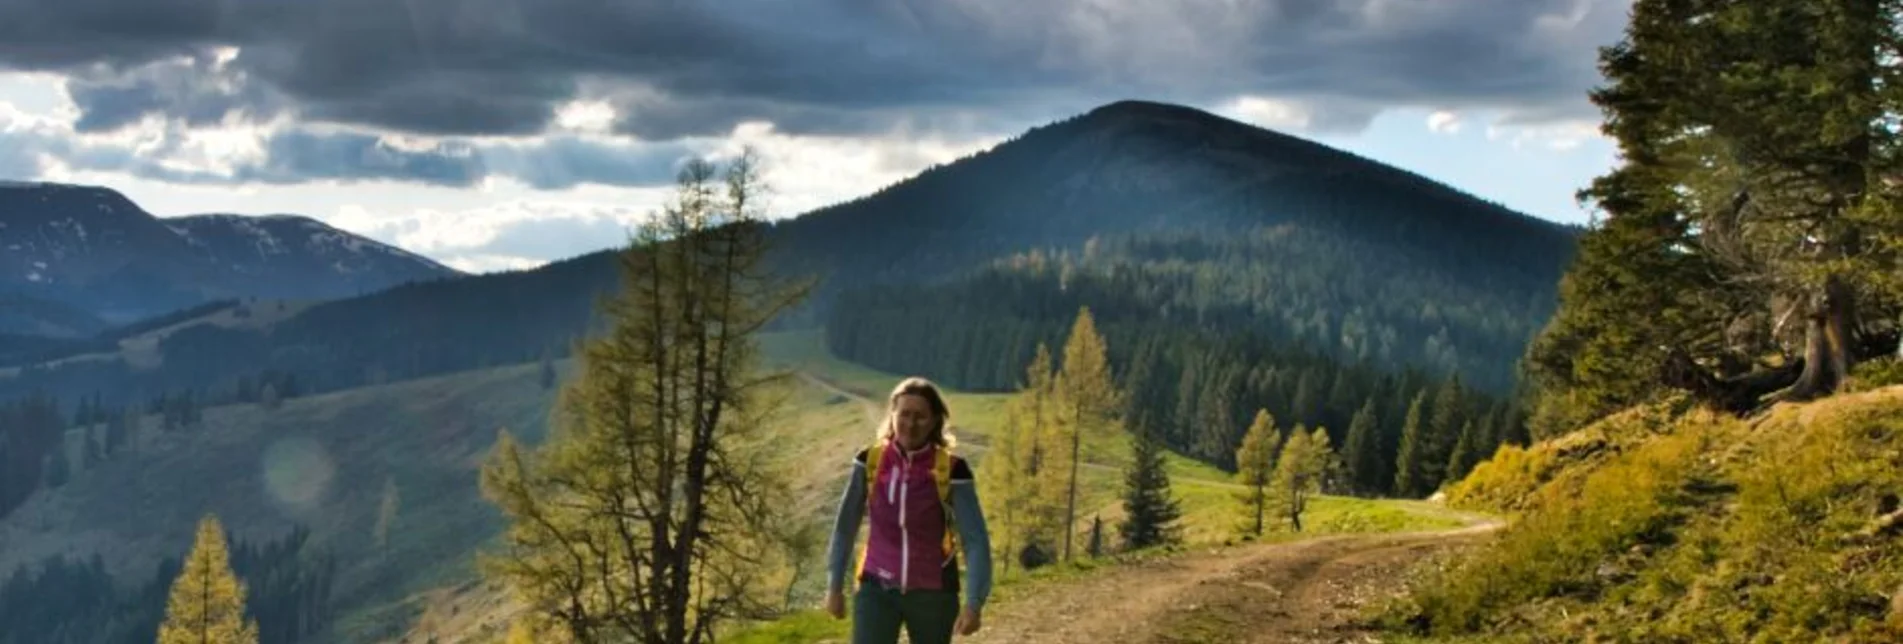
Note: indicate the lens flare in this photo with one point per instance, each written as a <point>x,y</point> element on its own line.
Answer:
<point>297,472</point>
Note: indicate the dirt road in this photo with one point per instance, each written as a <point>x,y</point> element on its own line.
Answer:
<point>1300,593</point>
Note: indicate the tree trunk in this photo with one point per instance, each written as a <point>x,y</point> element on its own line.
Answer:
<point>1260,501</point>
<point>1070,511</point>
<point>1827,355</point>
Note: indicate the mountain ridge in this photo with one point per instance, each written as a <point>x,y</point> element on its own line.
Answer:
<point>1125,168</point>
<point>93,248</point>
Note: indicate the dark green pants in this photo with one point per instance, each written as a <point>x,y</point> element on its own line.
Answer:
<point>877,613</point>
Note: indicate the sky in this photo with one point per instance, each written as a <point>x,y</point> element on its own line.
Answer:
<point>496,134</point>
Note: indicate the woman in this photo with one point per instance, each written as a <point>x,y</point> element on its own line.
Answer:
<point>909,574</point>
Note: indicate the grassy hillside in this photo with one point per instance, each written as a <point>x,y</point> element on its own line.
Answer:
<point>1206,493</point>
<point>830,413</point>
<point>322,461</point>
<point>1661,527</point>
<point>326,462</point>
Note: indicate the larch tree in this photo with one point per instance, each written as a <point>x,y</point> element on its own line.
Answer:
<point>1089,402</point>
<point>653,512</point>
<point>1305,462</point>
<point>207,600</point>
<point>1255,469</point>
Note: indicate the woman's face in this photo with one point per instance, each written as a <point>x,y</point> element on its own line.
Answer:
<point>912,421</point>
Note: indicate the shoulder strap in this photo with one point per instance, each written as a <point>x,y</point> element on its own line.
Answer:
<point>942,474</point>
<point>873,455</point>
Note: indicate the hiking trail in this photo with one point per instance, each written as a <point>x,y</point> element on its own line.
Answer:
<point>1299,592</point>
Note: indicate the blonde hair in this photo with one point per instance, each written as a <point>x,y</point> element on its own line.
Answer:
<point>916,386</point>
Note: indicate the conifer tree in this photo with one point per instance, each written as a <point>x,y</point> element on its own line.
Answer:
<point>1306,461</point>
<point>1090,402</point>
<point>1255,469</point>
<point>207,601</point>
<point>1361,452</point>
<point>1445,415</point>
<point>1747,238</point>
<point>655,463</point>
<point>1026,479</point>
<point>1151,511</point>
<point>1411,462</point>
<point>1466,453</point>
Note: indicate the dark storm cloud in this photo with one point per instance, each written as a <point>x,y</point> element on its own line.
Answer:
<point>677,68</point>
<point>562,162</point>
<point>196,90</point>
<point>296,156</point>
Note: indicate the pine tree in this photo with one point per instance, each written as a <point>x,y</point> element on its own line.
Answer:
<point>1362,452</point>
<point>655,456</point>
<point>1306,461</point>
<point>1738,253</point>
<point>1307,403</point>
<point>1443,430</point>
<point>1466,453</point>
<point>1151,511</point>
<point>207,602</point>
<point>1255,469</point>
<point>1411,462</point>
<point>1487,434</point>
<point>1090,402</point>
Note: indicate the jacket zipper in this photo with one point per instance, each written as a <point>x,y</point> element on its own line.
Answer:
<point>905,540</point>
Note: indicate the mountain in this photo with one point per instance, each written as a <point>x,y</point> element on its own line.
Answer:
<point>1135,166</point>
<point>1470,272</point>
<point>92,249</point>
<point>1231,269</point>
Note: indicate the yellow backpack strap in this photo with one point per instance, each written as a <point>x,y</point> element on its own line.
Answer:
<point>872,468</point>
<point>872,479</point>
<point>941,474</point>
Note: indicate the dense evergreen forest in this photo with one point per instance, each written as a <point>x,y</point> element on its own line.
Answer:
<point>75,601</point>
<point>1203,332</point>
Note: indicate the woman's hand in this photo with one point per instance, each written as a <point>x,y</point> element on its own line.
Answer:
<point>968,622</point>
<point>836,604</point>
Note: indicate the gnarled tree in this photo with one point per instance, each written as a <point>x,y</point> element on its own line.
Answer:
<point>1746,252</point>
<point>650,514</point>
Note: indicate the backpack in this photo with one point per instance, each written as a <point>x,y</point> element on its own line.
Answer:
<point>941,475</point>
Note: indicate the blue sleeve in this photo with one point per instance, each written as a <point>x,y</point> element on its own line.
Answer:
<point>852,509</point>
<point>977,542</point>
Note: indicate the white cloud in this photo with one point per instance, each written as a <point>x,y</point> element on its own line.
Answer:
<point>1444,122</point>
<point>1561,136</point>
<point>1269,113</point>
<point>492,263</point>
<point>592,117</point>
<point>804,173</point>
